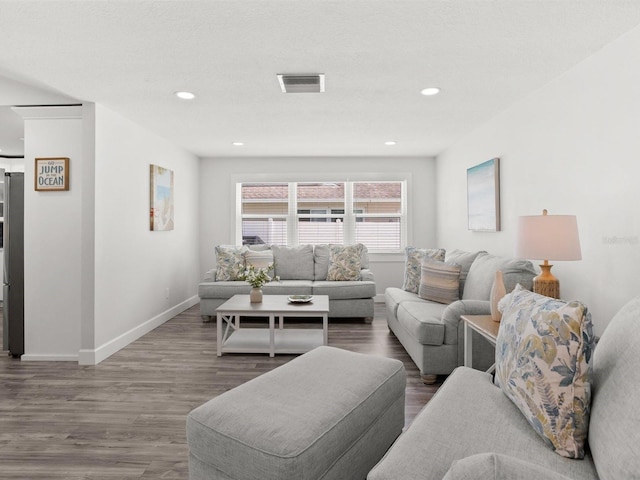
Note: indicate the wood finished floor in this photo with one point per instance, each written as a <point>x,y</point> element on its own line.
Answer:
<point>125,418</point>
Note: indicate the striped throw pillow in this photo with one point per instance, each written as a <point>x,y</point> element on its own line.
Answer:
<point>439,281</point>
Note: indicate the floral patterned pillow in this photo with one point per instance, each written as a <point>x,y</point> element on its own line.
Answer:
<point>413,264</point>
<point>344,262</point>
<point>229,262</point>
<point>543,364</point>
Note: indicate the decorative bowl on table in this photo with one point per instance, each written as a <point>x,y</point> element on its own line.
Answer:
<point>300,298</point>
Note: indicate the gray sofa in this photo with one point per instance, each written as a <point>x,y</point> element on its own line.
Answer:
<point>432,333</point>
<point>303,271</point>
<point>471,430</point>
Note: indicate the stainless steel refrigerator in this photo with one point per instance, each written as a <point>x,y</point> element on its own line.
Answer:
<point>13,289</point>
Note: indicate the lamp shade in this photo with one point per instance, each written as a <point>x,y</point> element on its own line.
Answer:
<point>548,237</point>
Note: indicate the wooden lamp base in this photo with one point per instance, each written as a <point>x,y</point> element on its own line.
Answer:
<point>545,283</point>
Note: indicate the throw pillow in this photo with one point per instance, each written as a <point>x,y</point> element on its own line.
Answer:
<point>259,259</point>
<point>439,281</point>
<point>543,365</point>
<point>413,263</point>
<point>464,259</point>
<point>229,262</point>
<point>344,262</point>
<point>293,263</point>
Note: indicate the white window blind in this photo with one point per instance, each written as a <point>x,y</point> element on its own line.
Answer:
<point>295,213</point>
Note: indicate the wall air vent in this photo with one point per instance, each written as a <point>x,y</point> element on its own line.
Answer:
<point>301,83</point>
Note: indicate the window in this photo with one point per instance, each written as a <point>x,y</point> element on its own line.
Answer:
<point>296,213</point>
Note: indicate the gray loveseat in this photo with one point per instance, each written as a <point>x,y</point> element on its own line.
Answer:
<point>432,333</point>
<point>470,430</point>
<point>302,271</point>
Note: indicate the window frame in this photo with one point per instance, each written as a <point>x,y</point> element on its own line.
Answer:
<point>349,219</point>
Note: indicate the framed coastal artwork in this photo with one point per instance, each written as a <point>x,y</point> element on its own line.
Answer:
<point>161,198</point>
<point>483,196</point>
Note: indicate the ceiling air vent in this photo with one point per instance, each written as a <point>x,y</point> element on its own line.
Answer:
<point>297,83</point>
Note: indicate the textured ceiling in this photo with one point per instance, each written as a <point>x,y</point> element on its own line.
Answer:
<point>130,56</point>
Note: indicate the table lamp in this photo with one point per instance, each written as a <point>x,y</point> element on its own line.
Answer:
<point>548,237</point>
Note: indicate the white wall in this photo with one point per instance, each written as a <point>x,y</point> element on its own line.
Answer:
<point>96,278</point>
<point>135,267</point>
<point>52,270</point>
<point>218,176</point>
<point>571,147</point>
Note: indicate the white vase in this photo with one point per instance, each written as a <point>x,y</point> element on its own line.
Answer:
<point>498,291</point>
<point>255,296</point>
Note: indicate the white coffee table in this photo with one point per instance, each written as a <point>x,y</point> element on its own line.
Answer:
<point>270,340</point>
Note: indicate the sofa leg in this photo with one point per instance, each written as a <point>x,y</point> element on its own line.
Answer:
<point>429,378</point>
<point>207,318</point>
<point>368,320</point>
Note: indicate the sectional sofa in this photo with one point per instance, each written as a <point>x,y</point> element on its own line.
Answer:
<point>303,271</point>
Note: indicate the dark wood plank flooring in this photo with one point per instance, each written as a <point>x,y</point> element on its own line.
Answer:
<point>125,418</point>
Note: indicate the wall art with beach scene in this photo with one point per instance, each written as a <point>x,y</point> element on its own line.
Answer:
<point>483,196</point>
<point>161,198</point>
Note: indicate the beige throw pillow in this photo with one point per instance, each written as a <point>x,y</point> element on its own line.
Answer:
<point>439,281</point>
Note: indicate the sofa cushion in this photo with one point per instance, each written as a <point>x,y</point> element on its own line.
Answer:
<point>258,258</point>
<point>338,290</point>
<point>289,287</point>
<point>320,261</point>
<point>483,270</point>
<point>464,259</point>
<point>615,418</point>
<point>229,262</point>
<point>543,356</point>
<point>394,296</point>
<point>422,320</point>
<point>344,262</point>
<point>413,263</point>
<point>293,263</point>
<point>499,467</point>
<point>228,289</point>
<point>439,281</point>
<point>469,415</point>
<point>223,289</point>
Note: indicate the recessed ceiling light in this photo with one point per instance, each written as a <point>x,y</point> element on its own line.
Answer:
<point>430,91</point>
<point>238,144</point>
<point>390,142</point>
<point>185,95</point>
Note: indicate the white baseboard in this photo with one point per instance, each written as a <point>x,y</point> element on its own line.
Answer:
<point>35,357</point>
<point>93,357</point>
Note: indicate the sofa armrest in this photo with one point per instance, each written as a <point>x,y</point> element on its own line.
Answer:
<point>210,276</point>
<point>366,275</point>
<point>499,467</point>
<point>454,311</point>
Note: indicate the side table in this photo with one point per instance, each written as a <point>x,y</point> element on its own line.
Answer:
<point>485,326</point>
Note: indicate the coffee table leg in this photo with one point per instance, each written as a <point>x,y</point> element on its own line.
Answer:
<point>272,333</point>
<point>325,329</point>
<point>219,330</point>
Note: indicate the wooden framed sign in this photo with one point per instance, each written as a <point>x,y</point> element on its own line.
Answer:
<point>52,174</point>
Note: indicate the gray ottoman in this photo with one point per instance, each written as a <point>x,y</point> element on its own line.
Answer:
<point>328,414</point>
